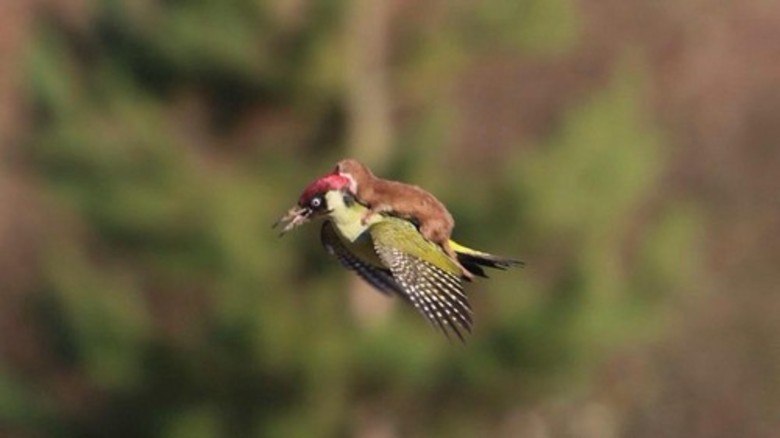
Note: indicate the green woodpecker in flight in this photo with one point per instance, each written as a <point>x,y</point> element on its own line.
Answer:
<point>390,253</point>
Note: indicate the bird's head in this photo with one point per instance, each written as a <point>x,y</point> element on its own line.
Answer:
<point>312,202</point>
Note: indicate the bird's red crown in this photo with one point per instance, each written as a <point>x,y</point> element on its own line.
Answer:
<point>331,181</point>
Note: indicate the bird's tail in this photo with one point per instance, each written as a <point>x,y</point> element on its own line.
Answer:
<point>474,260</point>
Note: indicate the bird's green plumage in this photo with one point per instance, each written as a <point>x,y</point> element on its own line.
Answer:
<point>392,255</point>
<point>385,231</point>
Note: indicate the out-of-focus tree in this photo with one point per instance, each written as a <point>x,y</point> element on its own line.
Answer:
<point>163,138</point>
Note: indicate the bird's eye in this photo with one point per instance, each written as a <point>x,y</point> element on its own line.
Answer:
<point>315,203</point>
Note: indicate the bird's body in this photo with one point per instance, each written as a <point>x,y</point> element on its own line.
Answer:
<point>392,231</point>
<point>403,200</point>
<point>392,255</point>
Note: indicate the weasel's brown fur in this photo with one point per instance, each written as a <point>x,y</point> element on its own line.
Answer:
<point>405,200</point>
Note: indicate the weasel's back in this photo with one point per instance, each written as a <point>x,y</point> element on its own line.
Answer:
<point>407,200</point>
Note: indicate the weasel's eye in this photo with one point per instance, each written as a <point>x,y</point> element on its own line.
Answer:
<point>316,202</point>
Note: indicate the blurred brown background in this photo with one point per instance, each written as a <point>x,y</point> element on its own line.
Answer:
<point>626,150</point>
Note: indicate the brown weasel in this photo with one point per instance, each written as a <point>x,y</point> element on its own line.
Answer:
<point>405,200</point>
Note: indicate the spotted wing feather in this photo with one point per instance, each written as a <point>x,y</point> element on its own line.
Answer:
<point>380,279</point>
<point>435,293</point>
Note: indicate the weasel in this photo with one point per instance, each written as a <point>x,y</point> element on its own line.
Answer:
<point>406,200</point>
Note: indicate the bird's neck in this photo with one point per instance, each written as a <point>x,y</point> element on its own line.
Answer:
<point>348,219</point>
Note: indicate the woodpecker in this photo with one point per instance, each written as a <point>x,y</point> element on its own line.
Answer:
<point>392,255</point>
<point>403,200</point>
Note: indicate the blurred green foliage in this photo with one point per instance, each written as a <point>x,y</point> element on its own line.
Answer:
<point>167,294</point>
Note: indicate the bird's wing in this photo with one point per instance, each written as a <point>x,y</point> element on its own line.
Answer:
<point>402,234</point>
<point>435,292</point>
<point>381,279</point>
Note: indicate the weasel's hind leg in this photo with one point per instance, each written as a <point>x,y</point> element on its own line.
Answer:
<point>439,233</point>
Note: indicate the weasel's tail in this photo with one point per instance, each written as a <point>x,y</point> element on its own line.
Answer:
<point>474,260</point>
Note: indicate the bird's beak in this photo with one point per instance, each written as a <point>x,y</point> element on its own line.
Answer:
<point>294,218</point>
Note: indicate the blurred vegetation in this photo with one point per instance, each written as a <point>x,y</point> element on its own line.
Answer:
<point>166,136</point>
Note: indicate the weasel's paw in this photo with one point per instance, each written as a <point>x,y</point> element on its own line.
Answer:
<point>366,216</point>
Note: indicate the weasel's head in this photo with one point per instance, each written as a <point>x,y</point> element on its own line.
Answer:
<point>352,169</point>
